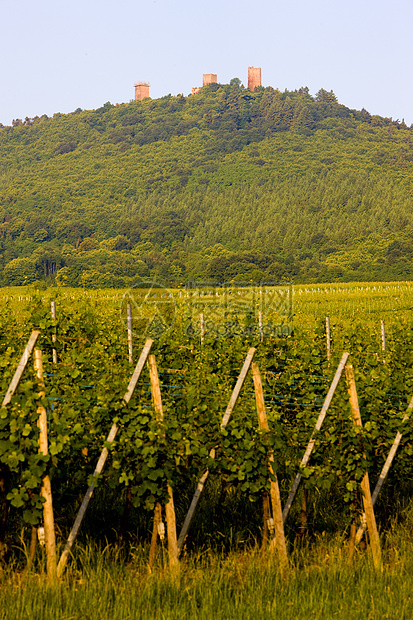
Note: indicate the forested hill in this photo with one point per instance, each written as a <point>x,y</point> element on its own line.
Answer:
<point>225,184</point>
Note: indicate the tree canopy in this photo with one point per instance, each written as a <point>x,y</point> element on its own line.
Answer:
<point>224,184</point>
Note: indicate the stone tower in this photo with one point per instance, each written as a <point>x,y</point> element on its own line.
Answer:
<point>254,78</point>
<point>209,78</point>
<point>141,90</point>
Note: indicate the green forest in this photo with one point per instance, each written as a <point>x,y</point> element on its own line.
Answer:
<point>223,185</point>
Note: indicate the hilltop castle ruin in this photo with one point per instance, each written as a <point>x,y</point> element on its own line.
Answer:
<point>141,90</point>
<point>254,78</point>
<point>254,81</point>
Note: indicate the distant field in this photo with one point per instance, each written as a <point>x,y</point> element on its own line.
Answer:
<point>347,305</point>
<point>344,303</point>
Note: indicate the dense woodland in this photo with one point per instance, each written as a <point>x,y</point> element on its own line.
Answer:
<point>222,185</point>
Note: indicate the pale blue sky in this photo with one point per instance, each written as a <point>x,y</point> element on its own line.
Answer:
<point>58,55</point>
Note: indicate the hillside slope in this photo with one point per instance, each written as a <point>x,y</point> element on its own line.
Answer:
<point>220,185</point>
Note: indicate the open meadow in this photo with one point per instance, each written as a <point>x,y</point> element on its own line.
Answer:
<point>148,395</point>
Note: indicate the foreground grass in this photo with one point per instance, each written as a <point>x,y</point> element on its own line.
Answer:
<point>320,584</point>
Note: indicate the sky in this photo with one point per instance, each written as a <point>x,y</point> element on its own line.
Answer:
<point>60,55</point>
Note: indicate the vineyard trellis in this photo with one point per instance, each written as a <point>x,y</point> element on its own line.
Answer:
<point>167,443</point>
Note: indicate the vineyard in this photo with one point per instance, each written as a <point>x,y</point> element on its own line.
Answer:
<point>181,412</point>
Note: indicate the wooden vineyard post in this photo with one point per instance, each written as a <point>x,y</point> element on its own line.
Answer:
<point>46,491</point>
<point>202,327</point>
<point>351,545</point>
<point>225,420</point>
<point>20,368</point>
<point>383,336</point>
<point>384,471</point>
<point>328,338</point>
<point>267,516</point>
<point>365,485</point>
<point>260,326</point>
<point>169,507</point>
<point>311,443</point>
<point>279,540</point>
<point>383,339</point>
<point>53,313</point>
<point>157,519</point>
<point>32,548</point>
<point>101,462</point>
<point>9,395</point>
<point>130,333</point>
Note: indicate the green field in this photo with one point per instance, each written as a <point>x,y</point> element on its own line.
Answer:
<point>340,301</point>
<point>225,570</point>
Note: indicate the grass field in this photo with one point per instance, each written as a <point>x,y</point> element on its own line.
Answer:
<point>112,584</point>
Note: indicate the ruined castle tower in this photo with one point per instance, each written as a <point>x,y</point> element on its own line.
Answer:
<point>141,90</point>
<point>254,78</point>
<point>209,78</point>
